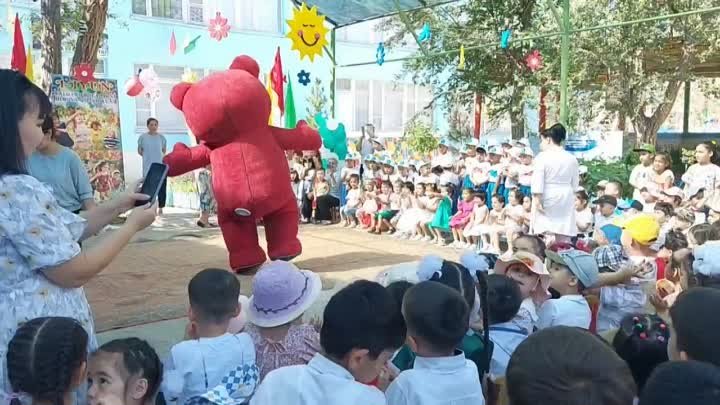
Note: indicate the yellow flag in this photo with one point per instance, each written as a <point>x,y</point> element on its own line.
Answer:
<point>29,70</point>
<point>274,109</point>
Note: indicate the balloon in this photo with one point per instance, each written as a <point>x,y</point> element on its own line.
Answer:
<point>335,139</point>
<point>149,78</point>
<point>133,86</point>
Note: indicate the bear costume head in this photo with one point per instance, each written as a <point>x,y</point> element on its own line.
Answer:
<point>224,104</point>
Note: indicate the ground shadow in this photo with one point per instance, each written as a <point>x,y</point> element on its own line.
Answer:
<point>352,261</point>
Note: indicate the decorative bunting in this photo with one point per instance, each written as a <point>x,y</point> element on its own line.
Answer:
<point>190,45</point>
<point>173,44</point>
<point>307,32</point>
<point>304,77</point>
<point>219,27</point>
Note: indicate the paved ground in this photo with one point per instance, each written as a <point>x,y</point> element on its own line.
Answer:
<point>144,291</point>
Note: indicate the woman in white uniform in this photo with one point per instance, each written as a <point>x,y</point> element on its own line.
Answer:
<point>554,182</point>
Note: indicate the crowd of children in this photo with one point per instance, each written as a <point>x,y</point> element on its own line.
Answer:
<point>624,313</point>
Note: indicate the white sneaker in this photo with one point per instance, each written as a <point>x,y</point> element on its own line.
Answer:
<point>427,239</point>
<point>417,237</point>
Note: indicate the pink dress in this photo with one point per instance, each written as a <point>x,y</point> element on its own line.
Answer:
<point>299,346</point>
<point>462,217</point>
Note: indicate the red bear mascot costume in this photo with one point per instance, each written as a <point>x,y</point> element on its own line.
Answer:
<point>228,114</point>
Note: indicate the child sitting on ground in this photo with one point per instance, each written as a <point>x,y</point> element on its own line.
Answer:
<point>476,225</point>
<point>461,219</point>
<point>514,217</point>
<point>31,353</point>
<point>209,354</point>
<point>369,206</point>
<point>605,208</point>
<point>124,371</point>
<point>281,294</point>
<point>428,205</point>
<point>572,271</point>
<point>583,213</point>
<point>437,320</point>
<point>495,225</point>
<point>348,212</point>
<point>441,219</point>
<point>564,365</point>
<point>642,341</point>
<point>533,280</point>
<point>361,329</point>
<point>385,212</point>
<point>408,208</point>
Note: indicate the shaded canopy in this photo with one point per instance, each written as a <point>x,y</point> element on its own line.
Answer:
<point>342,13</point>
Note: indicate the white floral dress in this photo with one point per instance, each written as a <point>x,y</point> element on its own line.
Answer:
<point>35,234</point>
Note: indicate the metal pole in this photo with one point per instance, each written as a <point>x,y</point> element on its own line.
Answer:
<point>564,62</point>
<point>333,69</point>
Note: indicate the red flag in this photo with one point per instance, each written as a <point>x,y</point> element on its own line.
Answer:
<point>173,44</point>
<point>19,58</point>
<point>277,80</point>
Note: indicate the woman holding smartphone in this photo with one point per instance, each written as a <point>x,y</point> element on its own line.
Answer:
<point>43,267</point>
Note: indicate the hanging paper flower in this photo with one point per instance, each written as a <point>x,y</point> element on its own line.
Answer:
<point>426,34</point>
<point>505,38</point>
<point>133,86</point>
<point>84,72</point>
<point>534,61</point>
<point>304,77</point>
<point>219,27</point>
<point>189,77</point>
<point>380,54</point>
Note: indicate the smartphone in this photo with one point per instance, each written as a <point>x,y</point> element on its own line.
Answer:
<point>153,181</point>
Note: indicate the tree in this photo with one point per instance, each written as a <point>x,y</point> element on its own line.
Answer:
<point>78,25</point>
<point>500,76</point>
<point>317,102</point>
<point>640,68</point>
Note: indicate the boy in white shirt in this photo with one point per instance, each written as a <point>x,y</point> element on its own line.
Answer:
<point>605,211</point>
<point>437,319</point>
<point>642,174</point>
<point>572,272</point>
<point>362,327</point>
<point>210,355</point>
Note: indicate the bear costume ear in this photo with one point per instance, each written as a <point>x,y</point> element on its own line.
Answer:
<point>177,96</point>
<point>247,64</point>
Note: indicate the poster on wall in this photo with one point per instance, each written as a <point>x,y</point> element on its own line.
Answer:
<point>589,145</point>
<point>89,114</point>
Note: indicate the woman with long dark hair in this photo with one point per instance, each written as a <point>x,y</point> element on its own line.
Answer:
<point>42,267</point>
<point>554,181</point>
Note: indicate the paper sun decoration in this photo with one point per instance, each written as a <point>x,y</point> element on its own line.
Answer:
<point>534,61</point>
<point>380,54</point>
<point>219,27</point>
<point>84,72</point>
<point>425,35</point>
<point>304,77</point>
<point>307,32</point>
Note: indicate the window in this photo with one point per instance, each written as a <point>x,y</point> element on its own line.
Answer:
<point>387,105</point>
<point>171,119</point>
<point>250,15</point>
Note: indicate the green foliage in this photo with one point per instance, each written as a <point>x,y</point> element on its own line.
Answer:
<point>183,184</point>
<point>317,102</point>
<point>419,137</point>
<point>611,171</point>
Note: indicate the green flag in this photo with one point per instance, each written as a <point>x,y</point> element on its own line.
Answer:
<point>190,45</point>
<point>290,117</point>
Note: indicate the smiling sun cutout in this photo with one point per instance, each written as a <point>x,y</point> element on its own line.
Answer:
<point>307,32</point>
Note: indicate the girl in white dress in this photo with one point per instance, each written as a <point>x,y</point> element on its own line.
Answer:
<point>554,181</point>
<point>478,219</point>
<point>495,225</point>
<point>705,173</point>
<point>407,224</point>
<point>662,177</point>
<point>514,215</point>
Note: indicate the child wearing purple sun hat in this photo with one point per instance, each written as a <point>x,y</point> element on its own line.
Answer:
<point>281,294</point>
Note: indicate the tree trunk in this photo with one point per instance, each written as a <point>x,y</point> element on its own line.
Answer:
<point>517,123</point>
<point>51,40</point>
<point>88,42</point>
<point>648,127</point>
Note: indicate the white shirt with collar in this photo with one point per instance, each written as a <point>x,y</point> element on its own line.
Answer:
<point>320,382</point>
<point>506,337</point>
<point>437,381</point>
<point>568,310</point>
<point>443,160</point>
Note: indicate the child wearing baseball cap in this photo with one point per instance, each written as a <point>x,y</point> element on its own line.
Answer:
<point>571,271</point>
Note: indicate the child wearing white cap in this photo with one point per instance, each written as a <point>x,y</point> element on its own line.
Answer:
<point>525,171</point>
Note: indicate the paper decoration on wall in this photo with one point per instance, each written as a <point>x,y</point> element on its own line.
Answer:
<point>380,54</point>
<point>189,76</point>
<point>534,61</point>
<point>151,84</point>
<point>461,64</point>
<point>303,77</point>
<point>333,135</point>
<point>219,27</point>
<point>189,45</point>
<point>426,34</point>
<point>133,86</point>
<point>173,44</point>
<point>84,72</point>
<point>307,32</point>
